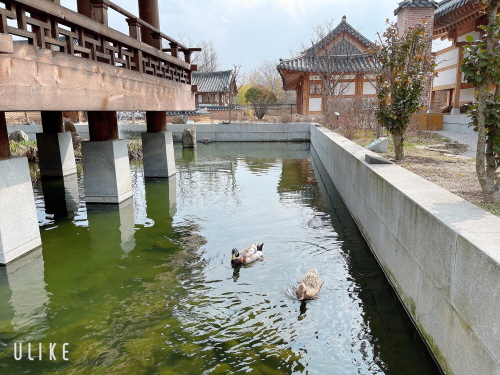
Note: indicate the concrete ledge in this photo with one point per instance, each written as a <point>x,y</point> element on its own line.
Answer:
<point>439,251</point>
<point>457,123</point>
<point>252,132</point>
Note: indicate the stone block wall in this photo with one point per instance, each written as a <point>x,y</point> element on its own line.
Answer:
<point>439,251</point>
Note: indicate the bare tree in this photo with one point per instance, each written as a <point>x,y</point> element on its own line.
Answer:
<point>207,59</point>
<point>234,86</point>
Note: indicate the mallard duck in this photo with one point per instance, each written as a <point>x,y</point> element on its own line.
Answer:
<point>309,285</point>
<point>249,255</point>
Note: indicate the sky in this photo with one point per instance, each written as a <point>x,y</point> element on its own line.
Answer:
<point>249,32</point>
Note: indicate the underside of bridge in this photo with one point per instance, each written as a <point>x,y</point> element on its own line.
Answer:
<point>54,60</point>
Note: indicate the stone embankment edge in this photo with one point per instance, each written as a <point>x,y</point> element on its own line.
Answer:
<point>440,252</point>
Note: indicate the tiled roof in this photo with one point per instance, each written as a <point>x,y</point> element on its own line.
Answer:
<point>353,63</point>
<point>446,6</point>
<point>342,26</point>
<point>416,4</point>
<point>213,81</point>
<point>344,56</point>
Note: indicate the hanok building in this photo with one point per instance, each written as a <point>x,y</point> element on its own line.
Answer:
<point>215,89</point>
<point>345,48</point>
<point>453,21</point>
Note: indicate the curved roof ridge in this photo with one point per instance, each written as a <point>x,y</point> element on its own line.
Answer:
<point>342,26</point>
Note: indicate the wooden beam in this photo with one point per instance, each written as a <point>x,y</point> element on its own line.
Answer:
<point>103,125</point>
<point>52,122</point>
<point>156,121</point>
<point>4,137</point>
<point>28,84</point>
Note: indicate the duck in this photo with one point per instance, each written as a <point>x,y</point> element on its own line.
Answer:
<point>309,285</point>
<point>247,256</point>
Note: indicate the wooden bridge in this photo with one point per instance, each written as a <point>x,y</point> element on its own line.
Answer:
<point>53,60</point>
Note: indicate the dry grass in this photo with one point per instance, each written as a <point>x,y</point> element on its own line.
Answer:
<point>455,174</point>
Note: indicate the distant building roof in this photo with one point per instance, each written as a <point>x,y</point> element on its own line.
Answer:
<point>344,55</point>
<point>213,81</point>
<point>343,26</point>
<point>416,4</point>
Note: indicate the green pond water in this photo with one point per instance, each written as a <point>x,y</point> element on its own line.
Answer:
<point>147,287</point>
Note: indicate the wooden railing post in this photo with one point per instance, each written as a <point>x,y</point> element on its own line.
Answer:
<point>174,49</point>
<point>100,11</point>
<point>134,28</point>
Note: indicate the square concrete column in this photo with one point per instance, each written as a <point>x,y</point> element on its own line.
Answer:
<point>19,232</point>
<point>106,171</point>
<point>158,154</point>
<point>55,154</point>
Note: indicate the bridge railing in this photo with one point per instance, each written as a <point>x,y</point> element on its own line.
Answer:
<point>49,25</point>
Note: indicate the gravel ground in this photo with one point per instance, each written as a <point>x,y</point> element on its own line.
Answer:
<point>464,138</point>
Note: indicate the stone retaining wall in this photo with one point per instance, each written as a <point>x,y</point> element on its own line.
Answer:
<point>440,252</point>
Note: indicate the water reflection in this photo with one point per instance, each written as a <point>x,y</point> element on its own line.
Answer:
<point>23,297</point>
<point>61,196</point>
<point>111,228</point>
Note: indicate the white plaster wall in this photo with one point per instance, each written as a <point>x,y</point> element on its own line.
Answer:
<point>368,89</point>
<point>347,88</point>
<point>315,104</point>
<point>475,35</point>
<point>447,58</point>
<point>467,95</point>
<point>439,251</point>
<point>445,78</point>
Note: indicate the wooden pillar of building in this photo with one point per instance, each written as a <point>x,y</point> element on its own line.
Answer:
<point>103,125</point>
<point>458,83</point>
<point>52,122</point>
<point>156,121</point>
<point>4,137</point>
<point>85,8</point>
<point>150,13</point>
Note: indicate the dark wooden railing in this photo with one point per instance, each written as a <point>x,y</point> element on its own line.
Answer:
<point>48,25</point>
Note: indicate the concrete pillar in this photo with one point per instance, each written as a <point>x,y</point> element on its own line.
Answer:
<point>19,233</point>
<point>55,147</point>
<point>150,13</point>
<point>157,147</point>
<point>105,161</point>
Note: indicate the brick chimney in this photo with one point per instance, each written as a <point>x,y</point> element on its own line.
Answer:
<point>415,12</point>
